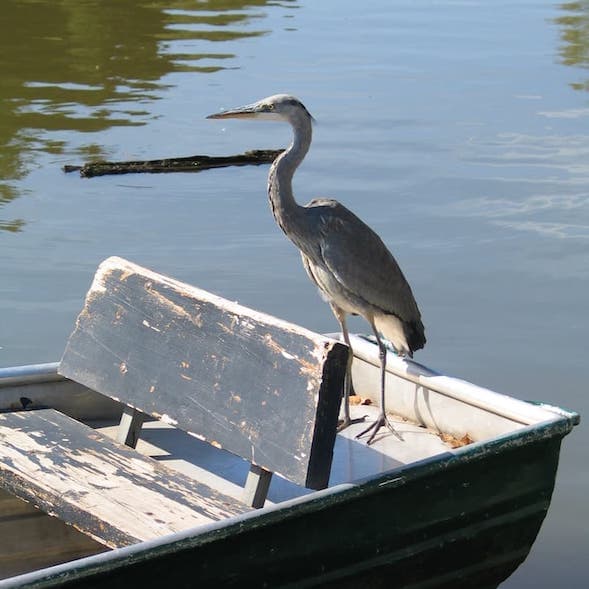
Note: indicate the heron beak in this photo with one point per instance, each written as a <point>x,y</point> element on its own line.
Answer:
<point>249,111</point>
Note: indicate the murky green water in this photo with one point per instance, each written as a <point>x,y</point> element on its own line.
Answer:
<point>458,130</point>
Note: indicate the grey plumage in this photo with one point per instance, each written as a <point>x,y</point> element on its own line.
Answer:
<point>346,259</point>
<point>366,273</point>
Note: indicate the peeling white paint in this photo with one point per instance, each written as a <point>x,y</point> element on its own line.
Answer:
<point>122,490</point>
<point>98,284</point>
<point>167,419</point>
<point>22,440</point>
<point>247,324</point>
<point>147,324</point>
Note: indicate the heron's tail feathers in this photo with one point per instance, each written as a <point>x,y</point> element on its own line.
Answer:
<point>415,334</point>
<point>405,337</point>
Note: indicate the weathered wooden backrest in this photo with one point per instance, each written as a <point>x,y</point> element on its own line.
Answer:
<point>257,386</point>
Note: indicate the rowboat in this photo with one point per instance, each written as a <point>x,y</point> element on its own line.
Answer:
<point>457,502</point>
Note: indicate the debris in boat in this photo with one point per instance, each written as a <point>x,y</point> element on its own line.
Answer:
<point>455,442</point>
<point>193,163</point>
<point>358,400</point>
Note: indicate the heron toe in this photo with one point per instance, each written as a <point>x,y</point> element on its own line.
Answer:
<point>344,423</point>
<point>381,421</point>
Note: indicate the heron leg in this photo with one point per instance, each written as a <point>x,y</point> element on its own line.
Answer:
<point>348,390</point>
<point>382,420</point>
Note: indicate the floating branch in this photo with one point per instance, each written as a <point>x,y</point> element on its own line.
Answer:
<point>194,163</point>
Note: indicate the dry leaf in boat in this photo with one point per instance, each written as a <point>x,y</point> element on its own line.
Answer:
<point>454,442</point>
<point>358,400</point>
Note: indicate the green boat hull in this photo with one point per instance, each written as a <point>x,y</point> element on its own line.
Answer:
<point>467,519</point>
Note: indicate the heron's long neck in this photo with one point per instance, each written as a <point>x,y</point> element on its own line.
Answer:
<point>286,211</point>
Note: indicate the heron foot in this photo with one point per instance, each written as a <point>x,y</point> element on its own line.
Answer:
<point>346,421</point>
<point>381,421</point>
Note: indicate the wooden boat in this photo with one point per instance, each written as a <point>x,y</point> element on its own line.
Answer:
<point>458,502</point>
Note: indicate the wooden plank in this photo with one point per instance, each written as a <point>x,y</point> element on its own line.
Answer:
<point>257,386</point>
<point>256,486</point>
<point>106,490</point>
<point>130,427</point>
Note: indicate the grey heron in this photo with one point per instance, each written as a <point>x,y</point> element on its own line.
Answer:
<point>346,259</point>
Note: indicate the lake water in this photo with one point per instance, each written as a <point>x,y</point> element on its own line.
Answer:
<point>458,130</point>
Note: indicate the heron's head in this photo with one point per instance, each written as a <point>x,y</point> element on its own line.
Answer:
<point>280,107</point>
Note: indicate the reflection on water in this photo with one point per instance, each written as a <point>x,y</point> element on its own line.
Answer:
<point>523,182</point>
<point>88,66</point>
<point>541,174</point>
<point>574,25</point>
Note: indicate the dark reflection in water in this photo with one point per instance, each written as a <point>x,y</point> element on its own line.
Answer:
<point>88,66</point>
<point>574,25</point>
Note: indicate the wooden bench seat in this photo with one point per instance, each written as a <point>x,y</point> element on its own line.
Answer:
<point>261,388</point>
<point>115,494</point>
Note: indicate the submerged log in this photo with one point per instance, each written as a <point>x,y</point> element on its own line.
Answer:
<point>193,163</point>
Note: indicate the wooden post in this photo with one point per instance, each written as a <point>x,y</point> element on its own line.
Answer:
<point>130,427</point>
<point>256,486</point>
